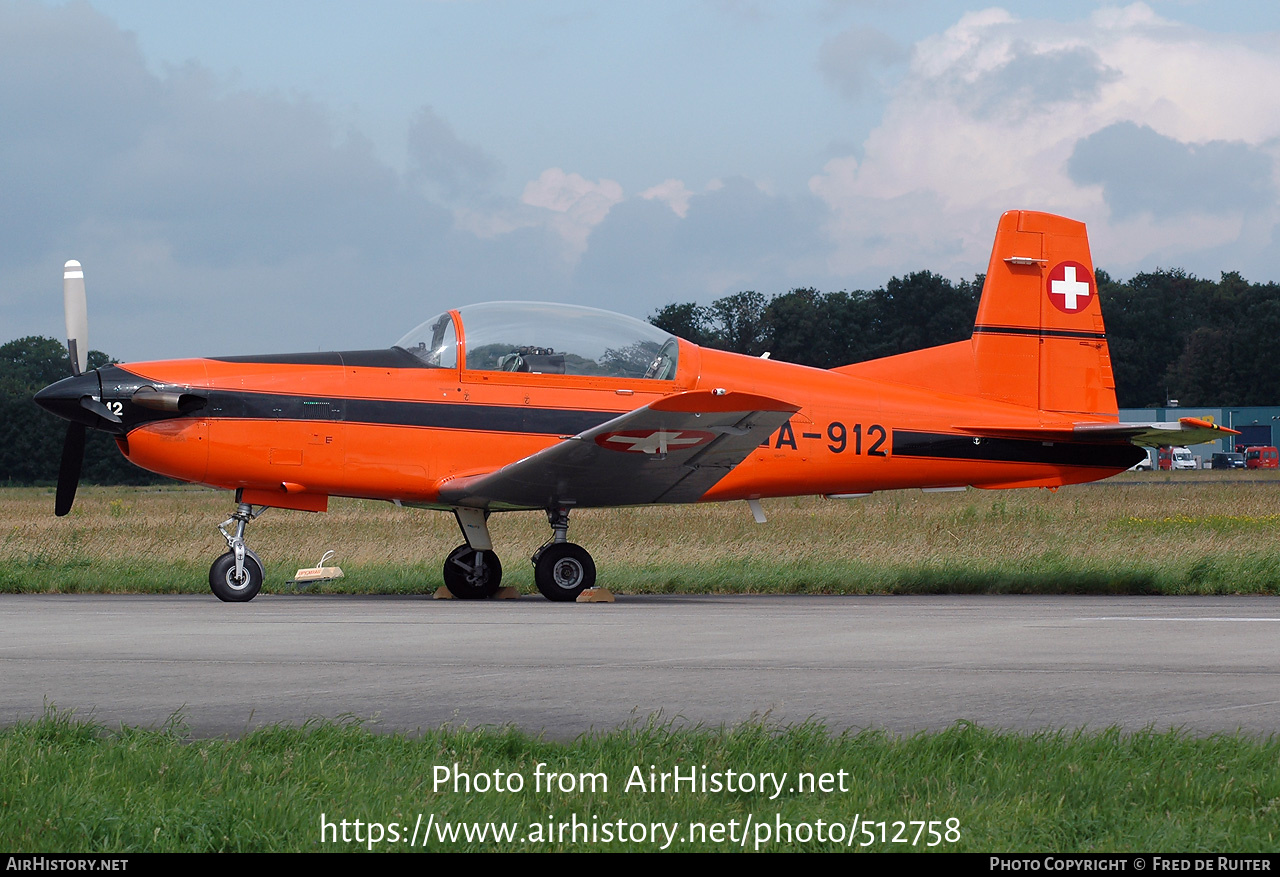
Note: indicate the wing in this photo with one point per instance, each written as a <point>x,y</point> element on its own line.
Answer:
<point>672,450</point>
<point>1186,431</point>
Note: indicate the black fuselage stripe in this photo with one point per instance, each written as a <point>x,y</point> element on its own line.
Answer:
<point>1039,332</point>
<point>385,357</point>
<point>119,385</point>
<point>383,412</point>
<point>946,446</point>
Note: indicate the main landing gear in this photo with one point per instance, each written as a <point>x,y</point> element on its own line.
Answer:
<point>472,575</point>
<point>561,569</point>
<point>236,577</point>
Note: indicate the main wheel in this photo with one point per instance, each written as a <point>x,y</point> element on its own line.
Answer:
<point>466,579</point>
<point>229,589</point>
<point>563,570</point>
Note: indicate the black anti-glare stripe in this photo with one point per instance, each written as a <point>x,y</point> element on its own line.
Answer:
<point>387,357</point>
<point>1045,333</point>
<point>440,415</point>
<point>1003,450</point>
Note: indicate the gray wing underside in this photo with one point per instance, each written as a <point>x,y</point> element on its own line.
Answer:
<point>1184,431</point>
<point>643,457</point>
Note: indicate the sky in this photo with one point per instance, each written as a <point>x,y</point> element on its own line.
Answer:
<point>278,176</point>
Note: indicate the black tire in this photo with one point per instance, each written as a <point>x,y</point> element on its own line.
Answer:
<point>222,578</point>
<point>563,570</point>
<point>460,576</point>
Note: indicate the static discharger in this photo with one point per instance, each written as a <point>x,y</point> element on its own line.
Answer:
<point>317,573</point>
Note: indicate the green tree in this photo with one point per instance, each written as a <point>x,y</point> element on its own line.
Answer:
<point>740,322</point>
<point>1247,357</point>
<point>31,438</point>
<point>795,330</point>
<point>1148,320</point>
<point>921,310</point>
<point>688,321</point>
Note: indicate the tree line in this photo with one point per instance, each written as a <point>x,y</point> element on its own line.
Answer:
<point>31,438</point>
<point>1171,335</point>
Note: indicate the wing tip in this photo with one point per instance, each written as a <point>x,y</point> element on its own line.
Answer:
<point>1198,423</point>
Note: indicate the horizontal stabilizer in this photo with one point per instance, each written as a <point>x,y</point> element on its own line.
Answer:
<point>1186,431</point>
<point>673,450</point>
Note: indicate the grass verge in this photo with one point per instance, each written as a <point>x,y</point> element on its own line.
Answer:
<point>68,785</point>
<point>1130,535</point>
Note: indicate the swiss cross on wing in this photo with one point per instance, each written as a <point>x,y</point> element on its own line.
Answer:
<point>653,441</point>
<point>1071,287</point>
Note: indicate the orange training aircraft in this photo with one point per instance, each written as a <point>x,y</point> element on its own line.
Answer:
<point>518,406</point>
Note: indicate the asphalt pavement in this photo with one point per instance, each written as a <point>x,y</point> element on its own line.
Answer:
<point>1202,664</point>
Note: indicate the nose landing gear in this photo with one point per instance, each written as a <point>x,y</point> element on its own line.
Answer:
<point>236,577</point>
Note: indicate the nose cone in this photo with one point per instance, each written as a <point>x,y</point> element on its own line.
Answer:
<point>63,398</point>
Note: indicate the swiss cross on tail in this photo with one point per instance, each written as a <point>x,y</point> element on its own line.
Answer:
<point>1070,287</point>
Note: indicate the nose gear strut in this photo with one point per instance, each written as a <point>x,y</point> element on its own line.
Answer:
<point>236,577</point>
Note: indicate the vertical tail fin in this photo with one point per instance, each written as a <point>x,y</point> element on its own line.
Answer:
<point>1039,338</point>
<point>1038,341</point>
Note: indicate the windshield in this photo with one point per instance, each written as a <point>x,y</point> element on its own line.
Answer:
<point>434,342</point>
<point>545,338</point>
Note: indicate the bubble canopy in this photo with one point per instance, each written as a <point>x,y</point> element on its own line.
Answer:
<point>546,338</point>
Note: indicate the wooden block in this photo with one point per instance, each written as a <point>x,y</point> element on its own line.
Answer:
<point>596,595</point>
<point>507,594</point>
<point>318,574</point>
<point>443,593</point>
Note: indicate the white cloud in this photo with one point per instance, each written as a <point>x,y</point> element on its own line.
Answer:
<point>991,111</point>
<point>672,193</point>
<point>578,204</point>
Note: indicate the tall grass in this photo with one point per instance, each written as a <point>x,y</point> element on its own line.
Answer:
<point>1143,534</point>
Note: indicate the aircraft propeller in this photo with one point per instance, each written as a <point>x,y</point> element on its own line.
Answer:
<point>69,471</point>
<point>76,312</point>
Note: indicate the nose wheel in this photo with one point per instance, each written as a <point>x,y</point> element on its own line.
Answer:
<point>236,577</point>
<point>231,586</point>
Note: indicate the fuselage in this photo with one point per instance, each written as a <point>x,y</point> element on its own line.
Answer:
<point>293,430</point>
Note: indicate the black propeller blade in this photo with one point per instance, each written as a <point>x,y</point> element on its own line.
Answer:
<point>69,471</point>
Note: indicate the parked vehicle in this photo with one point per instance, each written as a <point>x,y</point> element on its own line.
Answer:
<point>1146,465</point>
<point>1229,460</point>
<point>1176,458</point>
<point>1265,457</point>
